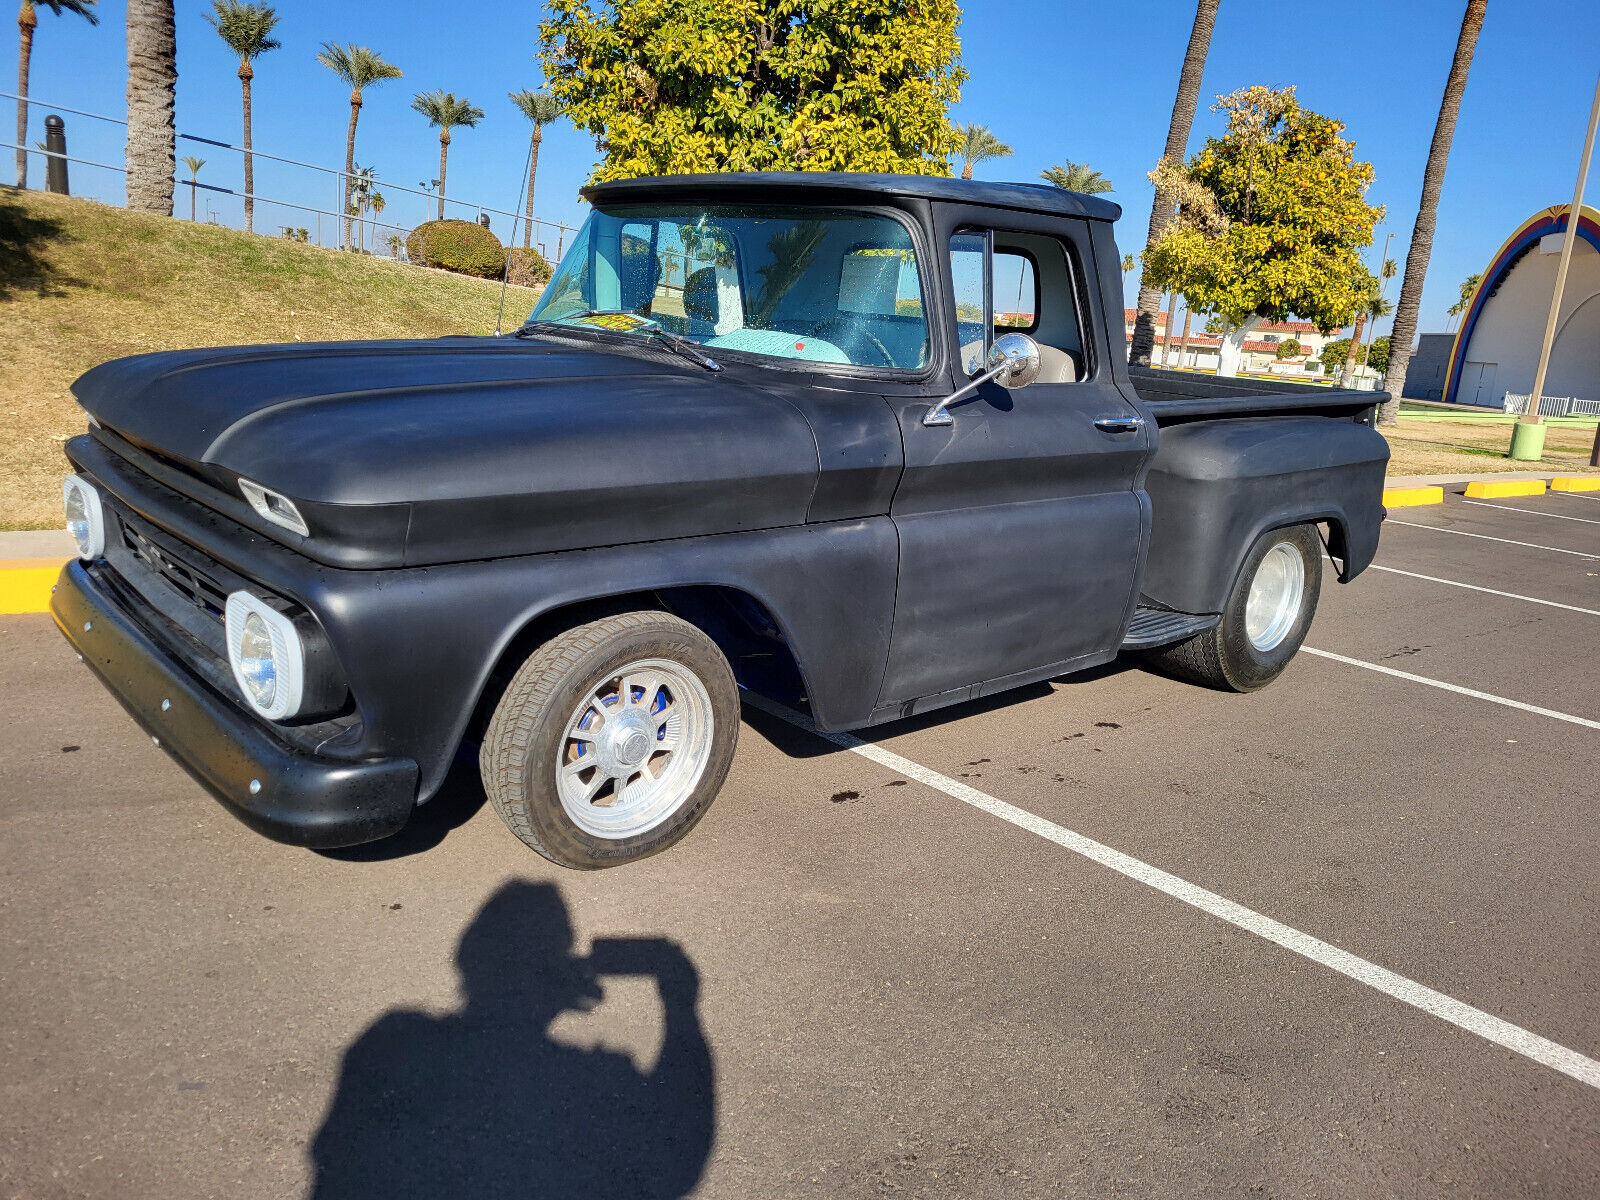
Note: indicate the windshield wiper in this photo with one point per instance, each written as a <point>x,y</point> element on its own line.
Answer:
<point>647,327</point>
<point>685,347</point>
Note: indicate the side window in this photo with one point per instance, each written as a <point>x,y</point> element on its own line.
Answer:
<point>881,283</point>
<point>1016,291</point>
<point>967,278</point>
<point>1054,320</point>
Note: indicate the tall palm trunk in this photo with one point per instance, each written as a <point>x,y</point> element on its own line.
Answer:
<point>533,170</point>
<point>1444,131</point>
<point>1194,63</point>
<point>966,171</point>
<point>1183,346</point>
<point>152,151</point>
<point>350,161</point>
<point>444,155</point>
<point>26,23</point>
<point>1347,375</point>
<point>246,74</point>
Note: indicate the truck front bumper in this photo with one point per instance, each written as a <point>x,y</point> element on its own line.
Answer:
<point>275,789</point>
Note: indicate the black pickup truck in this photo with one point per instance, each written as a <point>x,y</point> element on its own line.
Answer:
<point>863,443</point>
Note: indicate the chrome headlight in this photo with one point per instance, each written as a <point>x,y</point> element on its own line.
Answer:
<point>267,657</point>
<point>86,520</point>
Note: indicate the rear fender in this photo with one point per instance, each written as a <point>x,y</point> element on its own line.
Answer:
<point>1217,486</point>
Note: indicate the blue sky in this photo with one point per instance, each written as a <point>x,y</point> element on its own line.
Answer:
<point>1057,79</point>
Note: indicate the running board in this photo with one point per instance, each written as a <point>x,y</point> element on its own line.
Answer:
<point>1159,627</point>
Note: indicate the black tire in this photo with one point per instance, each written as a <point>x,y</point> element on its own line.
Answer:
<point>1224,657</point>
<point>524,740</point>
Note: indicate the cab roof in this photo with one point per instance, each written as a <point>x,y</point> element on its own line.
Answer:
<point>1026,197</point>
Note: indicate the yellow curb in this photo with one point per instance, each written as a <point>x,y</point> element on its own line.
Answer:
<point>25,584</point>
<point>1411,497</point>
<point>1480,489</point>
<point>1575,483</point>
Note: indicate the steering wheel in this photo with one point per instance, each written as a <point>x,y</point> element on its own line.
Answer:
<point>852,331</point>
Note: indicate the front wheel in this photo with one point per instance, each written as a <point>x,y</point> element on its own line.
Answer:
<point>1265,620</point>
<point>612,739</point>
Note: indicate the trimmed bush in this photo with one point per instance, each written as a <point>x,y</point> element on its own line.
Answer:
<point>462,246</point>
<point>529,268</point>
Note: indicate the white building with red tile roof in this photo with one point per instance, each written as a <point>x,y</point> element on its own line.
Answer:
<point>1259,353</point>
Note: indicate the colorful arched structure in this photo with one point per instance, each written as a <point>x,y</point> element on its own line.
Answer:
<point>1542,224</point>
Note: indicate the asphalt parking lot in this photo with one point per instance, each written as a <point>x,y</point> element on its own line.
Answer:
<point>1342,940</point>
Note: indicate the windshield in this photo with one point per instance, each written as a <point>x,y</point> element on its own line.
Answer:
<point>819,285</point>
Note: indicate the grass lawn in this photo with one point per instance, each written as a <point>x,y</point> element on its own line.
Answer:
<point>1423,447</point>
<point>81,283</point>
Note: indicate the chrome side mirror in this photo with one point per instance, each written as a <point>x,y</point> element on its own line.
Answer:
<point>1013,363</point>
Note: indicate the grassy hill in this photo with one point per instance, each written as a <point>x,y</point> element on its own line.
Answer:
<point>81,283</point>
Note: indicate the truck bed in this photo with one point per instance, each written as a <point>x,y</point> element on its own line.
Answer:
<point>1176,397</point>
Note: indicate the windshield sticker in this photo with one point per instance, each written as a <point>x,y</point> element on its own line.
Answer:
<point>619,321</point>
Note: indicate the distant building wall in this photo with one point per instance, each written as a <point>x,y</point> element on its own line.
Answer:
<point>1497,349</point>
<point>1425,375</point>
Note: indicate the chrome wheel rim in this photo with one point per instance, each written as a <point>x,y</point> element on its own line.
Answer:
<point>1275,596</point>
<point>634,750</point>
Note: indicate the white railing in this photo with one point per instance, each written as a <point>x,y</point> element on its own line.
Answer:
<point>1552,406</point>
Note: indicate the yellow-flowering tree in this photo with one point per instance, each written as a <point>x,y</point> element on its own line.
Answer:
<point>675,86</point>
<point>1271,219</point>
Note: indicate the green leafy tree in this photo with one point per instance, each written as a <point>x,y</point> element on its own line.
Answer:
<point>358,68</point>
<point>674,86</point>
<point>27,22</point>
<point>1335,353</point>
<point>1287,349</point>
<point>1469,288</point>
<point>977,144</point>
<point>444,113</point>
<point>1271,219</point>
<point>540,108</point>
<point>1077,177</point>
<point>247,29</point>
<point>194,164</point>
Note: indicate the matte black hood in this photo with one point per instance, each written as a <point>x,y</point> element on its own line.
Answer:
<point>495,446</point>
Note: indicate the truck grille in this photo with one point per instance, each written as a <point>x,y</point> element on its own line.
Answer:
<point>187,578</point>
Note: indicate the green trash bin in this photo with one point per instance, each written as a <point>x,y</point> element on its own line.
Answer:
<point>1527,439</point>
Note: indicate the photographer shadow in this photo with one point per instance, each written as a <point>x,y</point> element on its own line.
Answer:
<point>481,1102</point>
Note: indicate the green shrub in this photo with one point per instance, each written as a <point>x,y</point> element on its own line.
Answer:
<point>461,246</point>
<point>528,268</point>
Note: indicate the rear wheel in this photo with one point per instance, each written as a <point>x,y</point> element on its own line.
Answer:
<point>1264,622</point>
<point>612,739</point>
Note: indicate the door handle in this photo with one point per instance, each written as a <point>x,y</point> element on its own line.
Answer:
<point>1119,424</point>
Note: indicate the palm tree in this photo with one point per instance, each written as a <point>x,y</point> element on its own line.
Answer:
<point>1444,132</point>
<point>1469,288</point>
<point>1077,177</point>
<point>978,144</point>
<point>360,68</point>
<point>1194,64</point>
<point>445,112</point>
<point>27,22</point>
<point>360,193</point>
<point>375,205</point>
<point>541,108</point>
<point>1373,307</point>
<point>247,29</point>
<point>194,164</point>
<point>152,151</point>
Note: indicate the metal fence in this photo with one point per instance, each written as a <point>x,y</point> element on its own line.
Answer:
<point>368,231</point>
<point>1552,406</point>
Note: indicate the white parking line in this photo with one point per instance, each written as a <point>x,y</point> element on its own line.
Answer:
<point>1472,587</point>
<point>1447,1008</point>
<point>1577,495</point>
<point>1485,537</point>
<point>1456,688</point>
<point>1533,512</point>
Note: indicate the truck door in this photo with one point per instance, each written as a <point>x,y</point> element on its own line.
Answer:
<point>1020,527</point>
